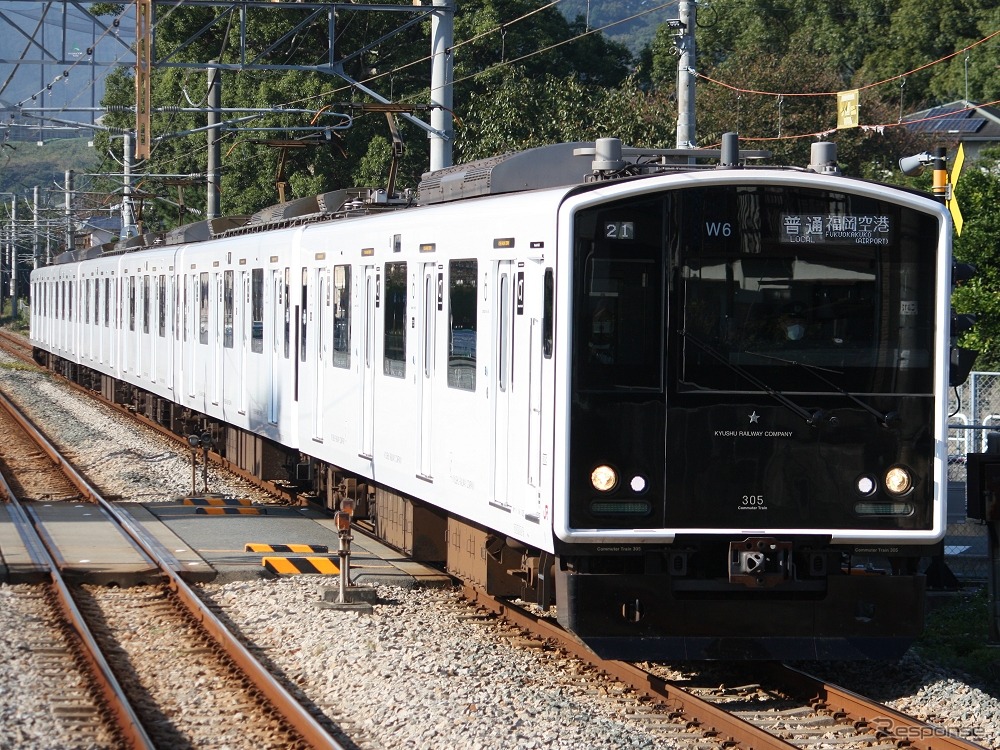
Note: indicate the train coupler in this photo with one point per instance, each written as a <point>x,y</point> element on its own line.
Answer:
<point>760,562</point>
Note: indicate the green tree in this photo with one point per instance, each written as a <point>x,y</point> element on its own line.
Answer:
<point>978,193</point>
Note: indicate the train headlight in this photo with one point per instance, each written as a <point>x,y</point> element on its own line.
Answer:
<point>898,481</point>
<point>638,484</point>
<point>603,478</point>
<point>865,485</point>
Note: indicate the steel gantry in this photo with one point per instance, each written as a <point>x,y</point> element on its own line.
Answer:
<point>142,53</point>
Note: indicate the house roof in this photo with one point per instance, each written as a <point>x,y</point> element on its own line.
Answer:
<point>960,120</point>
<point>107,223</point>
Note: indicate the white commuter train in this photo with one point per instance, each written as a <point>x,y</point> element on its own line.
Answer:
<point>689,399</point>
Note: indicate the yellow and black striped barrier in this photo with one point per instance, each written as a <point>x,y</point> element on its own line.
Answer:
<point>301,548</point>
<point>287,566</point>
<point>227,511</point>
<point>217,501</point>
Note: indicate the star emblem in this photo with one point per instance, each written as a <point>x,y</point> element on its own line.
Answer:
<point>754,417</point>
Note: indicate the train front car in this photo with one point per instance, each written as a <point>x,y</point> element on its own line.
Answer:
<point>755,416</point>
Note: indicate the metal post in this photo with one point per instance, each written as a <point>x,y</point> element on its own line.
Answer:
<point>993,539</point>
<point>940,167</point>
<point>35,243</point>
<point>442,40</point>
<point>343,523</point>
<point>686,138</point>
<point>128,217</point>
<point>214,104</point>
<point>13,263</point>
<point>69,210</point>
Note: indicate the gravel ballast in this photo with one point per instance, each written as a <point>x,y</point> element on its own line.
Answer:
<point>417,672</point>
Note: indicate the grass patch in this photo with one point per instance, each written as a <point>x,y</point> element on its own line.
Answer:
<point>956,634</point>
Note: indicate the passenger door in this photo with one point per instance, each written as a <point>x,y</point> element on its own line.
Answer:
<point>371,302</point>
<point>432,300</point>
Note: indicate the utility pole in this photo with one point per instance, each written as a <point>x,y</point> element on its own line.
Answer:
<point>442,59</point>
<point>685,73</point>
<point>214,104</point>
<point>13,263</point>
<point>35,243</point>
<point>128,219</point>
<point>69,211</point>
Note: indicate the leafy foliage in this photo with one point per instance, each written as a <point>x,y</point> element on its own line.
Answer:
<point>978,194</point>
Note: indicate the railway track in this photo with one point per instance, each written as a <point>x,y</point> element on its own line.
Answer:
<point>766,706</point>
<point>158,659</point>
<point>770,708</point>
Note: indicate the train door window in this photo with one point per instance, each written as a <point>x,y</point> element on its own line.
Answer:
<point>203,307</point>
<point>341,316</point>
<point>303,314</point>
<point>179,310</point>
<point>86,302</point>
<point>161,296</point>
<point>288,312</point>
<point>619,261</point>
<point>548,313</point>
<point>394,363</point>
<point>184,308</point>
<point>69,297</point>
<point>257,310</point>
<point>463,279</point>
<point>227,309</point>
<point>97,301</point>
<point>503,365</point>
<point>130,281</point>
<point>145,304</point>
<point>107,302</point>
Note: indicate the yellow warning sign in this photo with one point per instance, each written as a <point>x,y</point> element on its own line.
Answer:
<point>848,109</point>
<point>952,202</point>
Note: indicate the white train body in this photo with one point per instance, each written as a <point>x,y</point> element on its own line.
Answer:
<point>491,355</point>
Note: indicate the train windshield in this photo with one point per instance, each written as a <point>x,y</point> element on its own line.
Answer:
<point>743,288</point>
<point>800,289</point>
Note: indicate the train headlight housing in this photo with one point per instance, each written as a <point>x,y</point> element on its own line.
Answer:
<point>865,485</point>
<point>898,481</point>
<point>638,484</point>
<point>604,478</point>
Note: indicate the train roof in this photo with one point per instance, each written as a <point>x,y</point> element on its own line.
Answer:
<point>559,165</point>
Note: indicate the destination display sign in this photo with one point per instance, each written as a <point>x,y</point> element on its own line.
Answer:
<point>836,229</point>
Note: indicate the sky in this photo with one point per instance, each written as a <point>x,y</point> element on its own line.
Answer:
<point>62,41</point>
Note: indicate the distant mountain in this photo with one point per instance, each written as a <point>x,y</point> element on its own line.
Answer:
<point>645,16</point>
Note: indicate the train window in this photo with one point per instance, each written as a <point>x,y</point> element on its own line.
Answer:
<point>341,316</point>
<point>463,280</point>
<point>794,289</point>
<point>145,304</point>
<point>69,297</point>
<point>162,305</point>
<point>548,313</point>
<point>257,310</point>
<point>619,299</point>
<point>97,301</point>
<point>131,303</point>
<point>394,363</point>
<point>107,302</point>
<point>179,291</point>
<point>304,314</point>
<point>227,309</point>
<point>203,307</point>
<point>86,302</point>
<point>288,312</point>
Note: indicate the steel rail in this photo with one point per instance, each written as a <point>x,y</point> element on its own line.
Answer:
<point>128,722</point>
<point>291,709</point>
<point>711,720</point>
<point>885,722</point>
